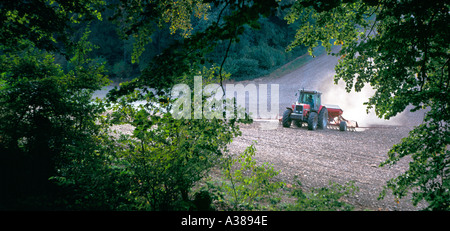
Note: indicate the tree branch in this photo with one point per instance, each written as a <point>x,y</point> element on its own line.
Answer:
<point>221,11</point>
<point>223,62</point>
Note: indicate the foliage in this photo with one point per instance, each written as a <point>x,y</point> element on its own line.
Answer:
<point>242,67</point>
<point>47,116</point>
<point>259,51</point>
<point>128,54</point>
<point>324,198</point>
<point>165,157</point>
<point>30,21</point>
<point>188,53</point>
<point>428,172</point>
<point>156,165</point>
<point>138,19</point>
<point>245,182</point>
<point>340,23</point>
<point>401,50</point>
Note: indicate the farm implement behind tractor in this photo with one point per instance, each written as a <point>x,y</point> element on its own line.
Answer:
<point>308,109</point>
<point>336,121</point>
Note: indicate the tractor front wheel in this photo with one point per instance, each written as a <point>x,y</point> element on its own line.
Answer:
<point>312,121</point>
<point>286,120</point>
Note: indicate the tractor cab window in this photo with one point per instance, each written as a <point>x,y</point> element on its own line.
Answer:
<point>312,99</point>
<point>306,98</point>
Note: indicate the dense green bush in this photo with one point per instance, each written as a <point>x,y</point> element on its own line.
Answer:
<point>247,185</point>
<point>46,117</point>
<point>165,157</point>
<point>242,66</point>
<point>259,51</point>
<point>264,46</point>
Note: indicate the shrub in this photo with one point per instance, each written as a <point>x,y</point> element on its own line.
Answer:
<point>323,198</point>
<point>242,67</point>
<point>245,185</point>
<point>46,117</point>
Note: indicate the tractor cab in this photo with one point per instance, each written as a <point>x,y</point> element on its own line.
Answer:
<point>310,98</point>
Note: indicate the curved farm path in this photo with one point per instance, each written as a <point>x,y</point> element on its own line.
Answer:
<point>318,157</point>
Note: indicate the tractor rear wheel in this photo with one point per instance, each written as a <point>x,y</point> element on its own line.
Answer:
<point>323,118</point>
<point>312,121</point>
<point>343,126</point>
<point>286,121</point>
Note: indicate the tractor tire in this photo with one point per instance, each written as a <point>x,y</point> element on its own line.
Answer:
<point>343,126</point>
<point>323,118</point>
<point>312,121</point>
<point>286,121</point>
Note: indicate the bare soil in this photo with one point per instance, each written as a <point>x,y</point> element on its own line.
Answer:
<point>318,157</point>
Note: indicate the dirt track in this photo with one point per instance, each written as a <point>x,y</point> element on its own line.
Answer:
<point>318,157</point>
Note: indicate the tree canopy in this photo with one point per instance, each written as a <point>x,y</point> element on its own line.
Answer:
<point>46,24</point>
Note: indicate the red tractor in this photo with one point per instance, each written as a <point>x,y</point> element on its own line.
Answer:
<point>309,109</point>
